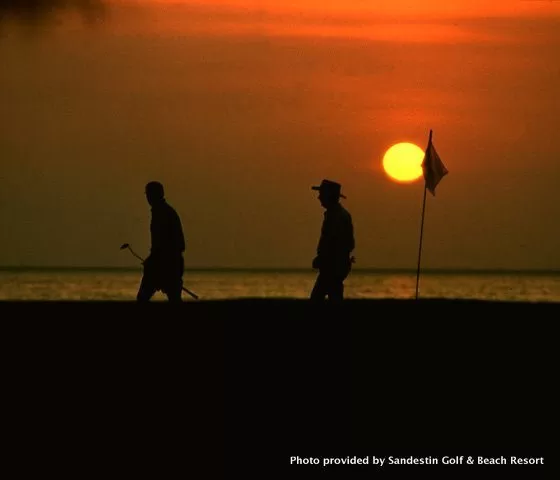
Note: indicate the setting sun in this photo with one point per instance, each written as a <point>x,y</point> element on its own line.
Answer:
<point>403,162</point>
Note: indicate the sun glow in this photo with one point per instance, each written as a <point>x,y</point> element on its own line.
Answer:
<point>403,162</point>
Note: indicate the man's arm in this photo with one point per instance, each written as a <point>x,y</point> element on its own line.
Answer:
<point>322,245</point>
<point>182,242</point>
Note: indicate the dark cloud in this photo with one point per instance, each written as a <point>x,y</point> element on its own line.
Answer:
<point>39,12</point>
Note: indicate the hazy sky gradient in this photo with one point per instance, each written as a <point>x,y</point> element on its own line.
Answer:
<point>238,107</point>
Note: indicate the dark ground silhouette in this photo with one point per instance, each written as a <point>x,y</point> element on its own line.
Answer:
<point>238,387</point>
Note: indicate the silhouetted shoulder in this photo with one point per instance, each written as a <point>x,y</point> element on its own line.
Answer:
<point>338,214</point>
<point>345,213</point>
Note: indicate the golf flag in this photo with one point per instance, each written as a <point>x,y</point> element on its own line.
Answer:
<point>433,167</point>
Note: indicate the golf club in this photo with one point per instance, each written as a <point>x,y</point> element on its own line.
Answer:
<point>127,245</point>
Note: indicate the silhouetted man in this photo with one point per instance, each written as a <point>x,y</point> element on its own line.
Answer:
<point>336,243</point>
<point>163,269</point>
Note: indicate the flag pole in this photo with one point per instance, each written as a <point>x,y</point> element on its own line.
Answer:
<point>420,248</point>
<point>422,225</point>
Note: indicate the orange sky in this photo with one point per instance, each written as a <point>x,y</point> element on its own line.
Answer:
<point>398,20</point>
<point>238,111</point>
<point>438,8</point>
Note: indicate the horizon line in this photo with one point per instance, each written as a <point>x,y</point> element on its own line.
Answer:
<point>442,270</point>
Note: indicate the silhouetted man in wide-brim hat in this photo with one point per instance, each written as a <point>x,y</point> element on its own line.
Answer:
<point>336,243</point>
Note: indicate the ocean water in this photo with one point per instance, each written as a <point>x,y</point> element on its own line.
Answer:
<point>121,285</point>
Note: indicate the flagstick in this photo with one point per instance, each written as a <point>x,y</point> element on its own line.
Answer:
<point>421,233</point>
<point>422,225</point>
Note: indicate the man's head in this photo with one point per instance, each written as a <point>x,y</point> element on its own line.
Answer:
<point>329,192</point>
<point>154,192</point>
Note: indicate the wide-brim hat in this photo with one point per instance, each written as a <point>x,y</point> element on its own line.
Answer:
<point>329,187</point>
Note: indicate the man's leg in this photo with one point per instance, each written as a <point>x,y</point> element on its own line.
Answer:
<point>336,289</point>
<point>147,290</point>
<point>319,289</point>
<point>174,282</point>
<point>174,292</point>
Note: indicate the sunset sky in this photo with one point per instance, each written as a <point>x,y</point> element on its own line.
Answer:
<point>239,106</point>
